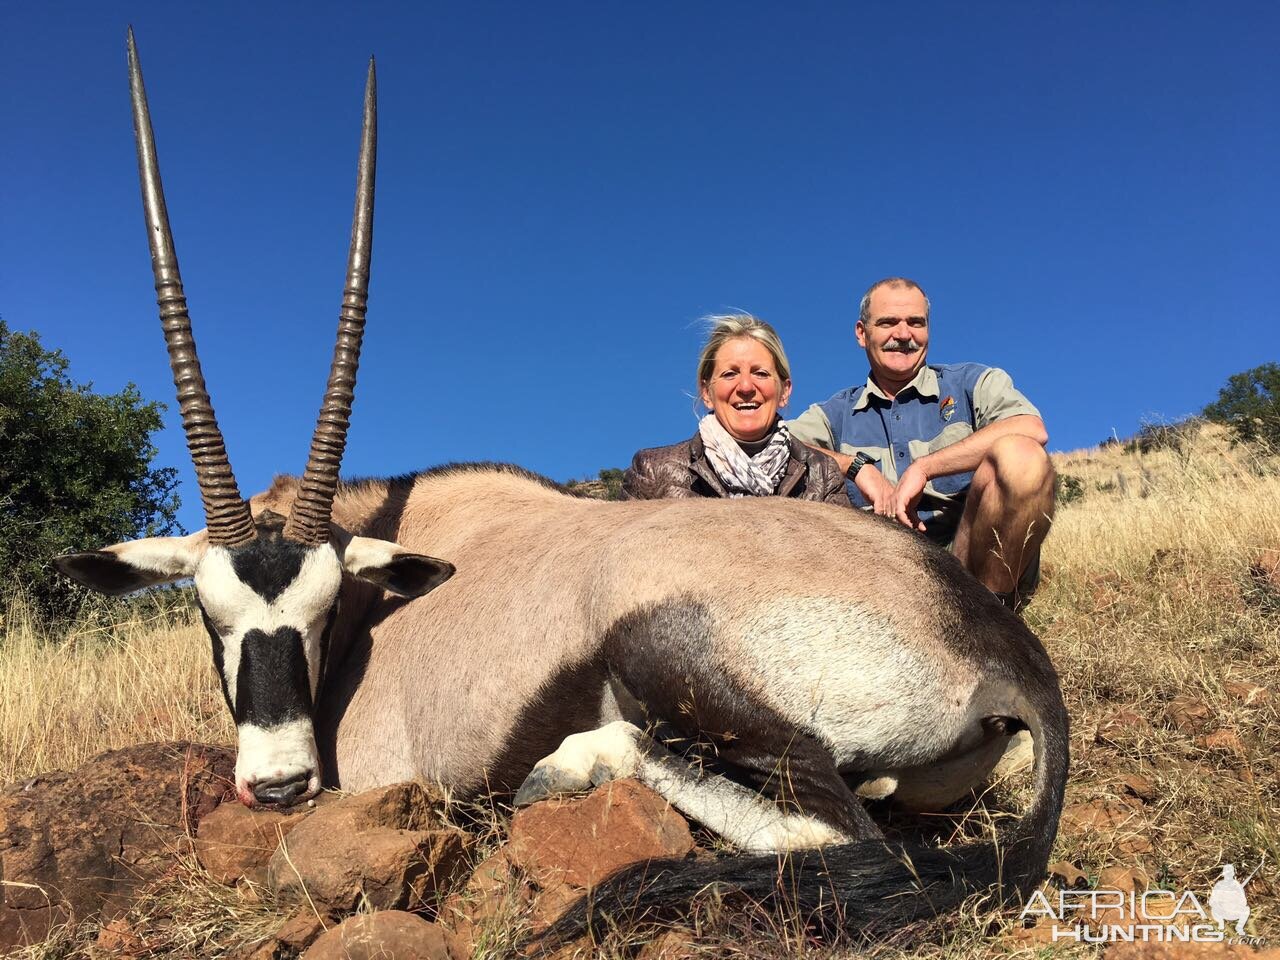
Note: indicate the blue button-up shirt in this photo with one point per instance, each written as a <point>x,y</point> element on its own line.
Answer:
<point>942,405</point>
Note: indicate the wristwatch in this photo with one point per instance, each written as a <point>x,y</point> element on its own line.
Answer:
<point>859,461</point>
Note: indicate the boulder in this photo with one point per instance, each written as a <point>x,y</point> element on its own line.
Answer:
<point>76,845</point>
<point>235,842</point>
<point>557,850</point>
<point>385,935</point>
<point>385,847</point>
<point>579,842</point>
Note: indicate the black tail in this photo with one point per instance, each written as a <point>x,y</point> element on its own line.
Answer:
<point>870,886</point>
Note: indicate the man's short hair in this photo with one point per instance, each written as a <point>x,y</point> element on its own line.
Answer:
<point>864,310</point>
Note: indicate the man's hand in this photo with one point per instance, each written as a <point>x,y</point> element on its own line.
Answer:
<point>906,496</point>
<point>878,491</point>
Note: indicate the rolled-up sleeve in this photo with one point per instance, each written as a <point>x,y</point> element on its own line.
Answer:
<point>813,427</point>
<point>996,398</point>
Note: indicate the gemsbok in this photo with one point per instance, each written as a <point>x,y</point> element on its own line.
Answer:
<point>848,653</point>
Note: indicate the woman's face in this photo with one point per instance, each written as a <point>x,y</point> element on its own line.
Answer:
<point>744,391</point>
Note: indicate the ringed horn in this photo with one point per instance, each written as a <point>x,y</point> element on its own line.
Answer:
<point>226,512</point>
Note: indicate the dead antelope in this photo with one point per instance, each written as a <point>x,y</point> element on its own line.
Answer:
<point>805,649</point>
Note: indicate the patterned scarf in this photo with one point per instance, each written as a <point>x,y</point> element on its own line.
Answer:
<point>742,475</point>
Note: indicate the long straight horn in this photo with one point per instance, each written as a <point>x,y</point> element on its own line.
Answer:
<point>227,515</point>
<point>309,519</point>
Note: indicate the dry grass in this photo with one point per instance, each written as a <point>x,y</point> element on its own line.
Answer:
<point>66,699</point>
<point>1148,607</point>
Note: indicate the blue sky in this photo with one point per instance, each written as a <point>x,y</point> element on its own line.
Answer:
<point>1087,191</point>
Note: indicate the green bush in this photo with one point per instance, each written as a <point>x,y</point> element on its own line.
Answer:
<point>1250,405</point>
<point>75,472</point>
<point>611,477</point>
<point>1067,489</point>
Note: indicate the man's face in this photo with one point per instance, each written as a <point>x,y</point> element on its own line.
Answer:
<point>896,333</point>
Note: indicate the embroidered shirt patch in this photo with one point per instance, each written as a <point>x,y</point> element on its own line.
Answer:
<point>948,408</point>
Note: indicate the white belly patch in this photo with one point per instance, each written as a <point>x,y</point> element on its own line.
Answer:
<point>847,674</point>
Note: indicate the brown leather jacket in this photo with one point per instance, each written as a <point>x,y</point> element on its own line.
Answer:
<point>682,470</point>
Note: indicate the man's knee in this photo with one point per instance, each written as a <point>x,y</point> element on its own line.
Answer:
<point>1020,464</point>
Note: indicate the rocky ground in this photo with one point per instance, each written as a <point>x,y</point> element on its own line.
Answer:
<point>144,852</point>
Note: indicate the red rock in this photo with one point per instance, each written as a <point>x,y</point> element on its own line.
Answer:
<point>400,806</point>
<point>1096,814</point>
<point>369,848</point>
<point>1223,741</point>
<point>302,928</point>
<point>494,898</point>
<point>1038,934</point>
<point>1138,786</point>
<point>74,845</point>
<point>235,842</point>
<point>118,941</point>
<point>583,840</point>
<point>1111,820</point>
<point>386,935</point>
<point>1121,726</point>
<point>1126,879</point>
<point>558,848</point>
<point>1134,843</point>
<point>1250,694</point>
<point>1188,714</point>
<point>563,847</point>
<point>267,950</point>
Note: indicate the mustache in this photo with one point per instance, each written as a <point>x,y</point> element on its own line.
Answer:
<point>901,346</point>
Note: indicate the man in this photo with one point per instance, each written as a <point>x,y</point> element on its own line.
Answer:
<point>950,450</point>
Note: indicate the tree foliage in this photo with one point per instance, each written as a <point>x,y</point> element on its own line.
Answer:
<point>1250,405</point>
<point>75,469</point>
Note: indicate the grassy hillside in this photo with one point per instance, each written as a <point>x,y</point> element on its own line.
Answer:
<point>1155,606</point>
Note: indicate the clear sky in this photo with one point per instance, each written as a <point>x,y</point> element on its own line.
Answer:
<point>1087,191</point>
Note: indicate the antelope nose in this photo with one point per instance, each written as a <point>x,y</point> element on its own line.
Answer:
<point>282,792</point>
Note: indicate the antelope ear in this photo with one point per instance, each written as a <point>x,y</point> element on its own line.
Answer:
<point>394,568</point>
<point>136,564</point>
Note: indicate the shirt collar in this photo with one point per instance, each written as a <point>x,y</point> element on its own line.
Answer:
<point>925,384</point>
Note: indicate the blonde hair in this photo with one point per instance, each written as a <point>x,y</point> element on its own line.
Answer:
<point>732,326</point>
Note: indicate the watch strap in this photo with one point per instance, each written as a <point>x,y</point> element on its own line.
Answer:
<point>859,461</point>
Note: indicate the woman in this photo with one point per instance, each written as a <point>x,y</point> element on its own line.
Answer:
<point>742,447</point>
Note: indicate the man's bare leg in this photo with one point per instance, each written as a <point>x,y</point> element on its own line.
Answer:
<point>1007,513</point>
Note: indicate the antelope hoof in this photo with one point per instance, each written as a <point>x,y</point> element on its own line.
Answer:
<point>584,759</point>
<point>547,780</point>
